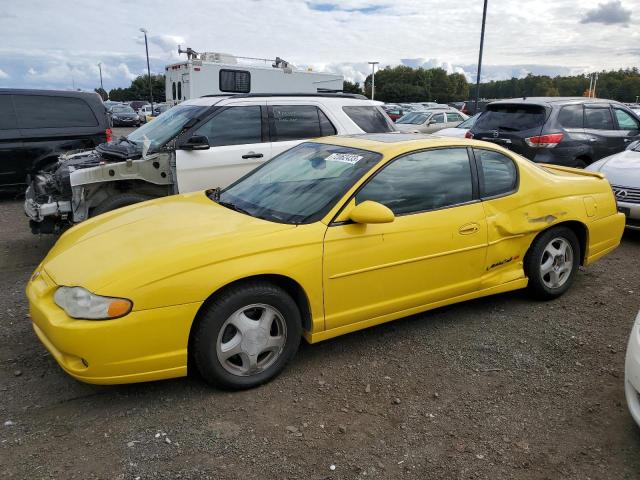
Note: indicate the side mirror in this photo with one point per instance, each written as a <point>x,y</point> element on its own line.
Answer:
<point>371,212</point>
<point>431,122</point>
<point>197,142</point>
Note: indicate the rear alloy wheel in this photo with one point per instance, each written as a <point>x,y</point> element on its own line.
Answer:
<point>552,262</point>
<point>246,336</point>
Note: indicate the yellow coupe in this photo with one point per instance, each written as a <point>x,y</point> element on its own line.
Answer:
<point>332,236</point>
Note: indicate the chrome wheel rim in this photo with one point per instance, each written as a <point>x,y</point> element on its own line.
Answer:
<point>251,339</point>
<point>556,263</point>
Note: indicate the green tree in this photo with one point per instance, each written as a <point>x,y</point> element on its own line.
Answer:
<point>139,89</point>
<point>350,87</point>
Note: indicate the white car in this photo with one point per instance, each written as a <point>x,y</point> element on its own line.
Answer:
<point>632,372</point>
<point>429,121</point>
<point>199,144</point>
<point>623,172</point>
<point>460,130</point>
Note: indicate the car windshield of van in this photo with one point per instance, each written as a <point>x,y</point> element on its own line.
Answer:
<point>511,117</point>
<point>166,126</point>
<point>122,109</point>
<point>413,118</point>
<point>300,185</point>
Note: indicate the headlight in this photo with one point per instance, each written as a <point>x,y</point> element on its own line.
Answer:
<point>80,303</point>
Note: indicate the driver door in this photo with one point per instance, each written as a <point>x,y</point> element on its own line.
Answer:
<point>434,249</point>
<point>238,143</point>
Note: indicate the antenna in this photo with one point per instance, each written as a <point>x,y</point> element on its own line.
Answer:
<point>191,53</point>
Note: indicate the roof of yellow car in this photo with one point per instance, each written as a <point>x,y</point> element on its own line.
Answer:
<point>387,143</point>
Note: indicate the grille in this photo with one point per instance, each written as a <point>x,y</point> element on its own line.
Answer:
<point>626,194</point>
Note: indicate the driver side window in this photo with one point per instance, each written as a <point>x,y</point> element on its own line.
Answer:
<point>422,181</point>
<point>438,118</point>
<point>233,126</point>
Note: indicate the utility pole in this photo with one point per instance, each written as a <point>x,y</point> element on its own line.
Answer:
<point>590,85</point>
<point>146,46</point>
<point>373,78</point>
<point>595,82</point>
<point>484,21</point>
<point>101,86</point>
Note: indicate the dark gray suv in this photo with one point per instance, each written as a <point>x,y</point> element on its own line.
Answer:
<point>565,131</point>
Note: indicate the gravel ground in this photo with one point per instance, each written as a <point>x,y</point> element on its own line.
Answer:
<point>501,387</point>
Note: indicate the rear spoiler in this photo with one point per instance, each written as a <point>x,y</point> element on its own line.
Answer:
<point>575,171</point>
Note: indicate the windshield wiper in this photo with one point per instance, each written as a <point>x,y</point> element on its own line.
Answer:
<point>233,206</point>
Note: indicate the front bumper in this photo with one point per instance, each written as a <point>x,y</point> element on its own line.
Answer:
<point>632,214</point>
<point>143,346</point>
<point>632,372</point>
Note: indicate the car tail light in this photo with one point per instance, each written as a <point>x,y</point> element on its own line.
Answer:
<point>109,134</point>
<point>468,134</point>
<point>545,141</point>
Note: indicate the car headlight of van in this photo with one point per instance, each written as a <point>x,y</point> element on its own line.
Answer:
<point>80,303</point>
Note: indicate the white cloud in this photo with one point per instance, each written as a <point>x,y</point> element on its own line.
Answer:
<point>339,38</point>
<point>3,75</point>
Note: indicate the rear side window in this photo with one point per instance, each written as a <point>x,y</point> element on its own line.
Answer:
<point>571,116</point>
<point>511,118</point>
<point>438,118</point>
<point>40,111</point>
<point>233,126</point>
<point>498,174</point>
<point>295,122</point>
<point>173,90</point>
<point>598,118</point>
<point>7,115</point>
<point>235,81</point>
<point>179,90</point>
<point>422,181</point>
<point>453,117</point>
<point>625,120</point>
<point>369,119</point>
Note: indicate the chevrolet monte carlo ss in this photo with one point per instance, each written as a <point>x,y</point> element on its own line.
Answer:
<point>330,237</point>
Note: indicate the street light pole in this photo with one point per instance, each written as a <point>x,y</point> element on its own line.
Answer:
<point>146,47</point>
<point>484,21</point>
<point>101,86</point>
<point>373,78</point>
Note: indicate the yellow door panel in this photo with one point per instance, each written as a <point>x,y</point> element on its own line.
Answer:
<point>373,270</point>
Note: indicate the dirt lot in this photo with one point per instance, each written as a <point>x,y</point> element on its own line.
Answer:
<point>501,387</point>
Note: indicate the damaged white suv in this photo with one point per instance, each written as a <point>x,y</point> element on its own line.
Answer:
<point>200,144</point>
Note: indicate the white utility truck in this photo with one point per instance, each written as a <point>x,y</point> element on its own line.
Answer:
<point>211,73</point>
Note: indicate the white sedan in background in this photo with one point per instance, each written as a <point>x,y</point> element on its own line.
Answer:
<point>632,372</point>
<point>623,172</point>
<point>460,130</point>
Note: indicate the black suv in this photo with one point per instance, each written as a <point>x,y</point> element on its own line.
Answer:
<point>38,125</point>
<point>565,131</point>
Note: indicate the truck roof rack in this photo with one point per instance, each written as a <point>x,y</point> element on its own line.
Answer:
<point>323,94</point>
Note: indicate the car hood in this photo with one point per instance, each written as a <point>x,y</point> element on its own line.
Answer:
<point>622,169</point>
<point>137,245</point>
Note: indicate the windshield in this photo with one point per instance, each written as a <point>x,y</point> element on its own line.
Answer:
<point>166,126</point>
<point>468,123</point>
<point>122,109</point>
<point>300,185</point>
<point>413,118</point>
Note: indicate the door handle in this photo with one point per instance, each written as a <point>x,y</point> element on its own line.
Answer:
<point>593,139</point>
<point>468,229</point>
<point>252,155</point>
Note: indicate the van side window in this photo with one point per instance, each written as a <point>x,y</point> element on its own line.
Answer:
<point>498,174</point>
<point>295,122</point>
<point>173,90</point>
<point>233,126</point>
<point>571,116</point>
<point>8,117</point>
<point>235,81</point>
<point>625,120</point>
<point>40,111</point>
<point>179,90</point>
<point>598,118</point>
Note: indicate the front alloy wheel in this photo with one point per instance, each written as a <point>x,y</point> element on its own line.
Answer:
<point>246,335</point>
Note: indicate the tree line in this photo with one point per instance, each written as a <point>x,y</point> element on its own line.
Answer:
<point>406,84</point>
<point>138,90</point>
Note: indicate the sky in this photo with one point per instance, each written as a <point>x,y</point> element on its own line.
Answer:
<point>47,44</point>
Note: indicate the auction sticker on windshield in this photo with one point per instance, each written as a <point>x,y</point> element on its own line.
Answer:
<point>344,158</point>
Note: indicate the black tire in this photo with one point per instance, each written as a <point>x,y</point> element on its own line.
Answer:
<point>539,287</point>
<point>212,319</point>
<point>118,201</point>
